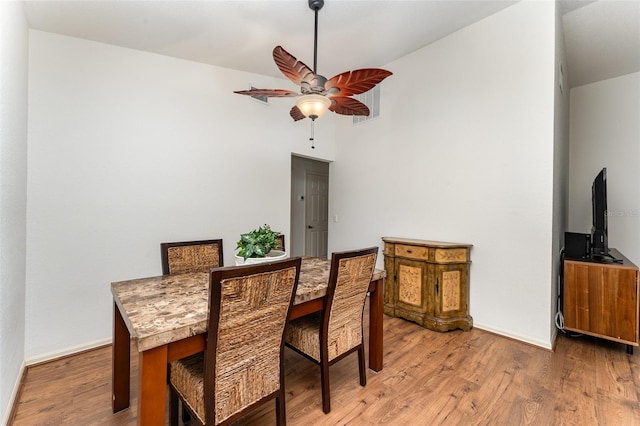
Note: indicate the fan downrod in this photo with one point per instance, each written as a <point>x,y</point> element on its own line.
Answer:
<point>316,4</point>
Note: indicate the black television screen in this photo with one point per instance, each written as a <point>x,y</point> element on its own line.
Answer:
<point>599,243</point>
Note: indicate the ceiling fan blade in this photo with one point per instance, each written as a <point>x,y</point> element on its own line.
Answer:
<point>271,93</point>
<point>292,68</point>
<point>348,106</point>
<point>357,81</point>
<point>296,114</point>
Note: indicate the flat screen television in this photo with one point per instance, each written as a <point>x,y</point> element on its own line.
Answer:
<point>599,241</point>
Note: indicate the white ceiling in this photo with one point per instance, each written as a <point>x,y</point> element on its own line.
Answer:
<point>602,40</point>
<point>602,37</point>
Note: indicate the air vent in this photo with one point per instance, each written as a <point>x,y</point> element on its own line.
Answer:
<point>261,99</point>
<point>372,100</point>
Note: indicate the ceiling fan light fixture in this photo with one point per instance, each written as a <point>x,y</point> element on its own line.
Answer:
<point>313,106</point>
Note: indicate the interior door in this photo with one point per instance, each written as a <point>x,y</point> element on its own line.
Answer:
<point>316,214</point>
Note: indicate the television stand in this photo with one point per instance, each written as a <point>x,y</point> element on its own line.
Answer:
<point>601,299</point>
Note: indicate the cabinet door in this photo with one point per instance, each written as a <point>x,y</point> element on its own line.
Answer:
<point>451,289</point>
<point>601,300</point>
<point>412,291</point>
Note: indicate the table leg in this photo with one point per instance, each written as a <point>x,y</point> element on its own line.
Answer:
<point>376,306</point>
<point>152,393</point>
<point>121,360</point>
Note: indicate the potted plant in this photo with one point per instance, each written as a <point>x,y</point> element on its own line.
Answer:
<point>259,245</point>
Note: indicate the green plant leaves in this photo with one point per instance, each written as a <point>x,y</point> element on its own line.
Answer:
<point>258,243</point>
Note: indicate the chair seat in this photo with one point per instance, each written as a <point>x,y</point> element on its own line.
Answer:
<point>187,377</point>
<point>304,334</point>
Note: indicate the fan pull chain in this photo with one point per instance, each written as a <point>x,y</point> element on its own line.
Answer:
<point>312,139</point>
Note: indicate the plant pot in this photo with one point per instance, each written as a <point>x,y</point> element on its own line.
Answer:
<point>272,256</point>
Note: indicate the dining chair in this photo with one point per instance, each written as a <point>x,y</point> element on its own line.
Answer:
<point>242,364</point>
<point>327,337</point>
<point>281,241</point>
<point>190,256</point>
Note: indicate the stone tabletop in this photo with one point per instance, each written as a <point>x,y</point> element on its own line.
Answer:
<point>163,309</point>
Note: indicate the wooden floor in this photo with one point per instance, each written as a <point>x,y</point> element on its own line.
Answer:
<point>429,378</point>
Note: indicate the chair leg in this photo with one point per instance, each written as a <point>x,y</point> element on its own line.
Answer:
<point>281,414</point>
<point>173,407</point>
<point>362,367</point>
<point>324,381</point>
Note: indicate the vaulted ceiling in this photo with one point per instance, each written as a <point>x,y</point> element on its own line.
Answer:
<point>602,37</point>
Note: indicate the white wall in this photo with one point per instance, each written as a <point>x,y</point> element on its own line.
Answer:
<point>605,132</point>
<point>128,149</point>
<point>463,152</point>
<point>13,198</point>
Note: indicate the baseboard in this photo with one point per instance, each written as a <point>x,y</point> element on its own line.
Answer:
<point>525,339</point>
<point>67,352</point>
<point>554,338</point>
<point>12,406</point>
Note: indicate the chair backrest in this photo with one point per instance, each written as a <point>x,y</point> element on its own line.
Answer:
<point>248,311</point>
<point>190,256</point>
<point>349,279</point>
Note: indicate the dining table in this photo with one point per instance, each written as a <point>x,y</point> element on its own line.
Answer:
<point>166,318</point>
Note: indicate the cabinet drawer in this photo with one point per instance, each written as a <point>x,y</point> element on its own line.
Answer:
<point>455,255</point>
<point>412,252</point>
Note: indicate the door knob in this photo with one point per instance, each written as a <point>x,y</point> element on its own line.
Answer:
<point>309,227</point>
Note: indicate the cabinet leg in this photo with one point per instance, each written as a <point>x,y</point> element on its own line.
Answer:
<point>630,349</point>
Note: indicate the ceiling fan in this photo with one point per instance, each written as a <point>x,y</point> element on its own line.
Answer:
<point>317,94</point>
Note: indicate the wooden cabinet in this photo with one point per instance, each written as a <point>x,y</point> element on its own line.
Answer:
<point>601,299</point>
<point>428,282</point>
